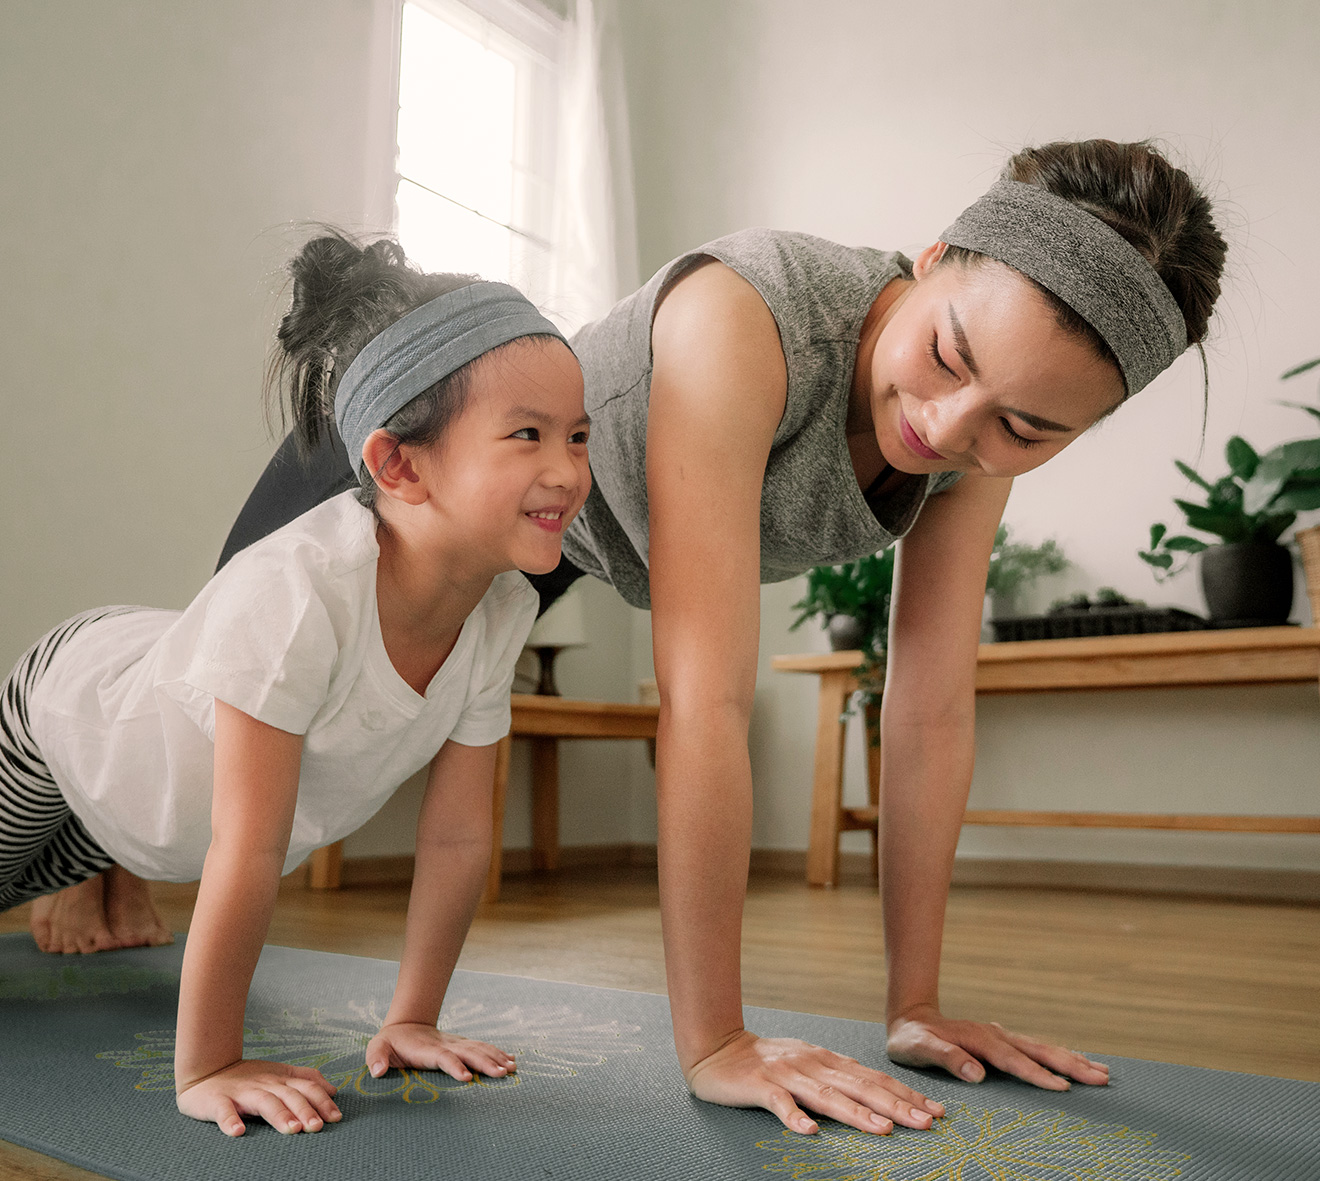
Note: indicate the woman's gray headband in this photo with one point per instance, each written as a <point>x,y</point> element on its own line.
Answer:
<point>429,344</point>
<point>1092,268</point>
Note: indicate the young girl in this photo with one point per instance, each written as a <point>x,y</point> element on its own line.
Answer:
<point>323,666</point>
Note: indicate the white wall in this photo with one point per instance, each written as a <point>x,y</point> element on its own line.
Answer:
<point>874,123</point>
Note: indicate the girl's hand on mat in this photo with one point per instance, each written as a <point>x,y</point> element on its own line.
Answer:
<point>289,1098</point>
<point>780,1073</point>
<point>424,1047</point>
<point>924,1037</point>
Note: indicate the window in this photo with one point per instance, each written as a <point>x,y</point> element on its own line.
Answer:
<point>476,132</point>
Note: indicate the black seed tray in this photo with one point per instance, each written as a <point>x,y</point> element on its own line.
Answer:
<point>1097,621</point>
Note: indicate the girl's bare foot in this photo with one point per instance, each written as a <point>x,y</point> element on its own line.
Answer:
<point>130,911</point>
<point>73,920</point>
<point>113,909</point>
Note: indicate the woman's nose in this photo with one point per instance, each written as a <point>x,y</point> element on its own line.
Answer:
<point>948,422</point>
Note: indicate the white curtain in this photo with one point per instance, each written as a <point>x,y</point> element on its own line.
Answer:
<point>595,258</point>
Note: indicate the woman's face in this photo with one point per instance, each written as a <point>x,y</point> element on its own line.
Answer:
<point>972,373</point>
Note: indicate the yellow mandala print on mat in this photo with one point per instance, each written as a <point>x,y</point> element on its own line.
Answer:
<point>979,1144</point>
<point>548,1042</point>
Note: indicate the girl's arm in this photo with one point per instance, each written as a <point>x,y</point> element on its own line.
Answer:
<point>256,788</point>
<point>717,395</point>
<point>927,735</point>
<point>454,832</point>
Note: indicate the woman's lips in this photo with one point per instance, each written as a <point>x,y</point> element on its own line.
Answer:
<point>914,443</point>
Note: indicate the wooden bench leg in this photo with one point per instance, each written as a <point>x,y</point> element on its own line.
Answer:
<point>326,867</point>
<point>545,803</point>
<point>872,740</point>
<point>492,893</point>
<point>827,778</point>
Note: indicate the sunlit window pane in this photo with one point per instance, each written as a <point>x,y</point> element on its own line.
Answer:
<point>440,236</point>
<point>456,115</point>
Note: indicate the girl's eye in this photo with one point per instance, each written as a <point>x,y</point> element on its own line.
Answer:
<point>530,433</point>
<point>578,437</point>
<point>934,349</point>
<point>1019,440</point>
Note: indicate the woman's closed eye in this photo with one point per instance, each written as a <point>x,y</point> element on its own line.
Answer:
<point>1018,440</point>
<point>934,349</point>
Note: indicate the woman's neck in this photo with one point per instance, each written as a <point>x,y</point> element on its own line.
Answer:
<point>867,459</point>
<point>424,593</point>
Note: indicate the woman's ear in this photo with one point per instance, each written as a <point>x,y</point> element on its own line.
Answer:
<point>390,463</point>
<point>926,261</point>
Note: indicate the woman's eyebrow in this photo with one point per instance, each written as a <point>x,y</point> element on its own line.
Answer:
<point>965,352</point>
<point>960,343</point>
<point>1041,424</point>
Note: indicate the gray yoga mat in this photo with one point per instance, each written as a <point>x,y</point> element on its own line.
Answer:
<point>87,1077</point>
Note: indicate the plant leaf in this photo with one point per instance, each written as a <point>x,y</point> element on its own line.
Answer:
<point>1302,368</point>
<point>1156,532</point>
<point>1226,493</point>
<point>1272,527</point>
<point>1242,457</point>
<point>1185,544</point>
<point>1299,499</point>
<point>1230,524</point>
<point>1159,561</point>
<point>1192,474</point>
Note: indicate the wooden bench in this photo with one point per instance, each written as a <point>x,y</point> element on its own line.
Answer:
<point>545,721</point>
<point>1247,656</point>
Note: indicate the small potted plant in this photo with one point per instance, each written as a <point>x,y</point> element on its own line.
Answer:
<point>1015,565</point>
<point>1247,577</point>
<point>853,599</point>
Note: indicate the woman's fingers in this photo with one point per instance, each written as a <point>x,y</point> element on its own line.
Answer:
<point>916,1044</point>
<point>781,1103</point>
<point>1065,1063</point>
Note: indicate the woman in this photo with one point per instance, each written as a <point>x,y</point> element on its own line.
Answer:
<point>771,402</point>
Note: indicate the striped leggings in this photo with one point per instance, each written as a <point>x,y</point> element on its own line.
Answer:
<point>43,845</point>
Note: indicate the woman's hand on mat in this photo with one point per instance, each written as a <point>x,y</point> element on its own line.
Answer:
<point>424,1047</point>
<point>922,1036</point>
<point>781,1073</point>
<point>289,1098</point>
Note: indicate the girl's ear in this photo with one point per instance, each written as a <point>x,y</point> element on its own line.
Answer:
<point>925,262</point>
<point>390,463</point>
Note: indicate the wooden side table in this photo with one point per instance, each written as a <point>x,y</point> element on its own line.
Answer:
<point>545,720</point>
<point>1246,656</point>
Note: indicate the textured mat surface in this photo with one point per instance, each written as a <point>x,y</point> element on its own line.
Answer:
<point>88,1046</point>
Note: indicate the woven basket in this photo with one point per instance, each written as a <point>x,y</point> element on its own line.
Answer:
<point>1308,541</point>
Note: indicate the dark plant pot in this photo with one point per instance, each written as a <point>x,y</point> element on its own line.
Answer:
<point>1247,584</point>
<point>845,633</point>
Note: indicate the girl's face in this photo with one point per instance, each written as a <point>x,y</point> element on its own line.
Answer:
<point>972,373</point>
<point>511,471</point>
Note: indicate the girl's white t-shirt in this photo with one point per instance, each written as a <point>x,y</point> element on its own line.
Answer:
<point>287,632</point>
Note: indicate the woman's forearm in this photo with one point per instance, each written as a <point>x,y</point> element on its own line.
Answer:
<point>704,792</point>
<point>924,784</point>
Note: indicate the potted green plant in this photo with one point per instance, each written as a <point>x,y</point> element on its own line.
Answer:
<point>1308,540</point>
<point>853,599</point>
<point>1247,577</point>
<point>1015,565</point>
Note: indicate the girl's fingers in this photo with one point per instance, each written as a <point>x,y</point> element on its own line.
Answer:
<point>227,1118</point>
<point>301,1108</point>
<point>313,1076</point>
<point>317,1097</point>
<point>271,1108</point>
<point>453,1065</point>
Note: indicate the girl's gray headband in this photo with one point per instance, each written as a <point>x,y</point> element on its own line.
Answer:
<point>426,345</point>
<point>1092,268</point>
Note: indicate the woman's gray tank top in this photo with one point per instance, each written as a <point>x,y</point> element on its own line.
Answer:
<point>812,510</point>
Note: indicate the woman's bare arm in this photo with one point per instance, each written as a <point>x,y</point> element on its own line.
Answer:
<point>717,395</point>
<point>928,736</point>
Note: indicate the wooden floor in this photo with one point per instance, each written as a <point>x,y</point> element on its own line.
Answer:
<point>1232,985</point>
